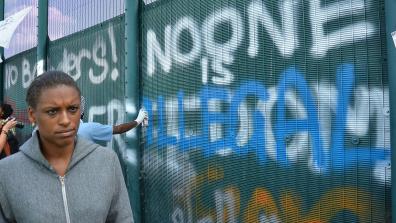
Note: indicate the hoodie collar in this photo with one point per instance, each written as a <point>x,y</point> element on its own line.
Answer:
<point>31,148</point>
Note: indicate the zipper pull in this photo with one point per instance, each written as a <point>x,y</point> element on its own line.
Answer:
<point>62,180</point>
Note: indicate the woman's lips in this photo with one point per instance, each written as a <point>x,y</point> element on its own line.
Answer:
<point>66,133</point>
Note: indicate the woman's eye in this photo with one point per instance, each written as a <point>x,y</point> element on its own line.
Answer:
<point>51,112</point>
<point>73,109</point>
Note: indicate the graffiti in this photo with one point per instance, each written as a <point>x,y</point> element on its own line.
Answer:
<point>277,119</point>
<point>114,113</point>
<point>240,131</point>
<point>72,62</point>
<point>97,58</point>
<point>95,65</point>
<point>12,74</point>
<point>284,36</point>
<point>357,31</point>
<point>262,206</point>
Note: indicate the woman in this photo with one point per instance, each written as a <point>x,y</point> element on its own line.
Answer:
<point>5,149</point>
<point>58,177</point>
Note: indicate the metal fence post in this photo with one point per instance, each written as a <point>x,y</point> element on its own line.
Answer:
<point>132,101</point>
<point>390,17</point>
<point>42,36</point>
<point>2,56</point>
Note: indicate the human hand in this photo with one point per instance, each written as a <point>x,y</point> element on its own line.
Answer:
<point>141,116</point>
<point>9,124</point>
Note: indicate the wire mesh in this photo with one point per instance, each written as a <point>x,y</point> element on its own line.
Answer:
<point>25,36</point>
<point>264,111</point>
<point>69,16</point>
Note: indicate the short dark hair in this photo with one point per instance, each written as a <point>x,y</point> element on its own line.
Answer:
<point>6,110</point>
<point>47,80</point>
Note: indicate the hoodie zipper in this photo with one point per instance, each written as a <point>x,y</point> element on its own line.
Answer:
<point>62,180</point>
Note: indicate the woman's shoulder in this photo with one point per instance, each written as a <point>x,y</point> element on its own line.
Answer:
<point>12,163</point>
<point>105,151</point>
<point>15,158</point>
<point>87,146</point>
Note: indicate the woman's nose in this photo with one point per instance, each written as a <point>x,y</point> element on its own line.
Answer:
<point>64,118</point>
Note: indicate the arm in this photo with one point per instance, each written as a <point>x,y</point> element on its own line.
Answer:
<point>4,132</point>
<point>124,127</point>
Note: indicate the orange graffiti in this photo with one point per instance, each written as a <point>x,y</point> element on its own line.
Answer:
<point>340,199</point>
<point>328,206</point>
<point>261,201</point>
<point>289,208</point>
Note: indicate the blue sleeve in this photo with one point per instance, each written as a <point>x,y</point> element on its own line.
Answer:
<point>95,131</point>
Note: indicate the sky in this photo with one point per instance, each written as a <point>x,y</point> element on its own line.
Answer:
<point>64,17</point>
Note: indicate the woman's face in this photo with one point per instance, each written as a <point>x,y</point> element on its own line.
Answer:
<point>1,113</point>
<point>57,115</point>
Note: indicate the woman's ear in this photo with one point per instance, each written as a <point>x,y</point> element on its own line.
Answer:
<point>32,117</point>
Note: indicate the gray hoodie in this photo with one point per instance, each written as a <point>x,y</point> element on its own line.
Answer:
<point>92,190</point>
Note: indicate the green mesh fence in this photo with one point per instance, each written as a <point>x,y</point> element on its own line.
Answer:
<point>71,16</point>
<point>19,72</point>
<point>95,59</point>
<point>265,111</point>
<point>259,111</point>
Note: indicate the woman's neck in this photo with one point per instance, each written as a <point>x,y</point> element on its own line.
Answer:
<point>58,157</point>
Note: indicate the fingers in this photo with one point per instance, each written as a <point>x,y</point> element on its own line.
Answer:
<point>10,124</point>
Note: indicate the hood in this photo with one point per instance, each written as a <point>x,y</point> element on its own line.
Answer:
<point>31,148</point>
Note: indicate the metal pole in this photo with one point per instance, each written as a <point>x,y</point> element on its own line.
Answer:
<point>2,56</point>
<point>132,101</point>
<point>42,36</point>
<point>390,18</point>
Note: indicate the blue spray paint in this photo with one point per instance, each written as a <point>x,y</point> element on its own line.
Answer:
<point>339,158</point>
<point>292,78</point>
<point>342,157</point>
<point>256,142</point>
<point>209,117</point>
